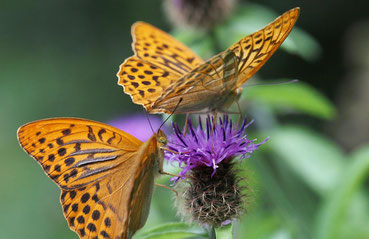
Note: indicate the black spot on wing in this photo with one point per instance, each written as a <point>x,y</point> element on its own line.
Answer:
<point>71,221</point>
<point>104,234</point>
<point>100,133</point>
<point>107,222</point>
<point>82,231</point>
<point>111,138</point>
<point>59,141</point>
<point>86,209</point>
<point>85,197</point>
<point>91,227</point>
<point>66,132</point>
<point>69,161</point>
<point>81,219</point>
<point>62,151</point>
<point>75,207</point>
<point>95,215</point>
<point>91,134</point>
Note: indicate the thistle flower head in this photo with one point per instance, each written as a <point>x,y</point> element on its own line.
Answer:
<point>213,195</point>
<point>209,145</point>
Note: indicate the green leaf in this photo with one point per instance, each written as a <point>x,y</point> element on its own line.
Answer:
<point>292,201</point>
<point>176,230</point>
<point>316,160</point>
<point>356,218</point>
<point>302,44</point>
<point>225,232</point>
<point>299,96</point>
<point>331,217</point>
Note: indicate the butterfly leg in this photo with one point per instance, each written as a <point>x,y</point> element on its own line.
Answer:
<point>175,175</point>
<point>186,122</point>
<point>172,151</point>
<point>215,113</point>
<point>163,186</point>
<point>239,114</point>
<point>169,150</point>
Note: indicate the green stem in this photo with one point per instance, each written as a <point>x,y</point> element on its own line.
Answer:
<point>225,232</point>
<point>212,233</point>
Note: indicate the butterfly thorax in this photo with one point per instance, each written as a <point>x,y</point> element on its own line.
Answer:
<point>161,139</point>
<point>224,101</point>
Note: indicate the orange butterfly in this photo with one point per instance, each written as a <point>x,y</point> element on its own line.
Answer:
<point>106,175</point>
<point>163,70</point>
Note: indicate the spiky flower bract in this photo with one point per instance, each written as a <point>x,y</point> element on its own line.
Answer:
<point>206,155</point>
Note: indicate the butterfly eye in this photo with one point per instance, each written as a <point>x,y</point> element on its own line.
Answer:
<point>161,138</point>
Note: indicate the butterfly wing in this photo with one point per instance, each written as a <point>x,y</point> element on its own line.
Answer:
<point>203,89</point>
<point>254,50</point>
<point>212,85</point>
<point>150,158</point>
<point>99,210</point>
<point>94,164</point>
<point>143,81</point>
<point>158,47</point>
<point>159,61</point>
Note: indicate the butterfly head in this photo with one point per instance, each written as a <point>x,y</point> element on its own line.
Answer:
<point>161,138</point>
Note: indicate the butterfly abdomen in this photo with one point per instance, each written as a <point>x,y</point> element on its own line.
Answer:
<point>224,101</point>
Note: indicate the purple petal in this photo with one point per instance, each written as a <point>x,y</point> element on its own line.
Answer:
<point>219,141</point>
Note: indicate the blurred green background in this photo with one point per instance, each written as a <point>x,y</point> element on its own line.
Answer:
<point>59,58</point>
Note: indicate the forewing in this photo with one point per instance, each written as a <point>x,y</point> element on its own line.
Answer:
<point>162,50</point>
<point>159,61</point>
<point>254,50</point>
<point>93,163</point>
<point>76,152</point>
<point>143,81</point>
<point>199,88</point>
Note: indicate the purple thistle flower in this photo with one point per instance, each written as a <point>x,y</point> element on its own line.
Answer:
<point>213,194</point>
<point>210,145</point>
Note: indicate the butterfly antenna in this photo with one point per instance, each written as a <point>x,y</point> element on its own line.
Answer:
<point>171,114</point>
<point>148,119</point>
<point>273,83</point>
